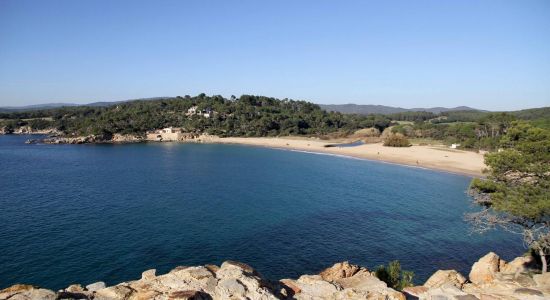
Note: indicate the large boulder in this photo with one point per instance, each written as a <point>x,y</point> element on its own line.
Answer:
<point>443,277</point>
<point>486,268</point>
<point>339,271</point>
<point>519,265</point>
<point>95,286</point>
<point>313,286</point>
<point>26,292</point>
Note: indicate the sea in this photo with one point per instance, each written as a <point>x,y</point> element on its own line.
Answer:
<point>86,213</point>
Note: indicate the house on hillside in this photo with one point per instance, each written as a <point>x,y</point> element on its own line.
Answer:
<point>194,110</point>
<point>170,134</point>
<point>165,134</point>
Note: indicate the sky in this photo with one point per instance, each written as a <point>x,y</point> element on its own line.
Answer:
<point>492,55</point>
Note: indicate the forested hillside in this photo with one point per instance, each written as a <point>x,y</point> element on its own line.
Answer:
<point>264,116</point>
<point>245,116</point>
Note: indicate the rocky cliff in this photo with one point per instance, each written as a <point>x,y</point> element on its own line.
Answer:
<point>490,278</point>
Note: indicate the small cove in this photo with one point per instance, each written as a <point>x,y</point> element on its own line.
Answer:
<point>83,213</point>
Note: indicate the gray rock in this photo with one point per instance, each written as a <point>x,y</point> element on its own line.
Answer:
<point>95,286</point>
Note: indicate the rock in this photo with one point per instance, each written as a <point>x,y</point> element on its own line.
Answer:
<point>126,138</point>
<point>212,268</point>
<point>542,280</point>
<point>527,292</point>
<point>313,286</point>
<point>485,269</point>
<point>95,286</point>
<point>442,277</point>
<point>230,288</point>
<point>244,267</point>
<point>114,292</point>
<point>76,295</point>
<point>188,295</point>
<point>445,292</point>
<point>415,291</point>
<point>342,281</point>
<point>26,292</point>
<point>15,289</point>
<point>339,271</point>
<point>5,130</point>
<point>290,284</point>
<point>74,288</point>
<point>363,281</point>
<point>149,274</point>
<point>519,265</point>
<point>489,297</point>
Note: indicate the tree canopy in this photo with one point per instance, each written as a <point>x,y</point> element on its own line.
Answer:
<point>247,115</point>
<point>516,193</point>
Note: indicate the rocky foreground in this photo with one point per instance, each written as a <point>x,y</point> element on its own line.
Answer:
<point>490,278</point>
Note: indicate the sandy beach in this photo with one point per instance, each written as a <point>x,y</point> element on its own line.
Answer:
<point>431,157</point>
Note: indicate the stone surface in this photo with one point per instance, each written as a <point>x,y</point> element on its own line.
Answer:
<point>485,269</point>
<point>149,274</point>
<point>519,265</point>
<point>415,291</point>
<point>27,292</point>
<point>442,277</point>
<point>95,286</point>
<point>542,280</point>
<point>235,280</point>
<point>339,271</point>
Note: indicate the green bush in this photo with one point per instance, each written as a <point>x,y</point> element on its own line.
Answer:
<point>396,140</point>
<point>393,276</point>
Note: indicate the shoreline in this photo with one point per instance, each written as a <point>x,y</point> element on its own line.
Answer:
<point>424,157</point>
<point>490,276</point>
<point>431,157</point>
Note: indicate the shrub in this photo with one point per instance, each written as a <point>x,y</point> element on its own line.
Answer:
<point>393,276</point>
<point>396,140</point>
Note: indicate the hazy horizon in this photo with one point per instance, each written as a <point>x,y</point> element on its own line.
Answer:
<point>490,55</point>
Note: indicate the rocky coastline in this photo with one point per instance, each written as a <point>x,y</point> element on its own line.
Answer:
<point>490,278</point>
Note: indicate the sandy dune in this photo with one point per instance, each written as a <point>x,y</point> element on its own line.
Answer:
<point>432,157</point>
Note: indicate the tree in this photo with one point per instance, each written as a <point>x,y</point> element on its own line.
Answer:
<point>516,194</point>
<point>396,140</point>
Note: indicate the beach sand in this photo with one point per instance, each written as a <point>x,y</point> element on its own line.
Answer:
<point>432,157</point>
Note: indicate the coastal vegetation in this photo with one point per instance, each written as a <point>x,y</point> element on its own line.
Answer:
<point>393,276</point>
<point>396,140</point>
<point>244,116</point>
<point>259,116</point>
<point>515,195</point>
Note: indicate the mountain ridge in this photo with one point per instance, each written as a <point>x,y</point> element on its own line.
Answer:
<point>363,109</point>
<point>367,109</point>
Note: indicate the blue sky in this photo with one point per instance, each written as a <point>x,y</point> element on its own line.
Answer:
<point>487,54</point>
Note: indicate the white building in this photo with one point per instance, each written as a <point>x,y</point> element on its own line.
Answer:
<point>207,113</point>
<point>165,134</point>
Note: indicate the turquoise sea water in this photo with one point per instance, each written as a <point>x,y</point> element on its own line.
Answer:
<point>83,213</point>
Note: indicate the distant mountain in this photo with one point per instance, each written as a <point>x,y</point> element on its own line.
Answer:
<point>35,107</point>
<point>382,109</point>
<point>57,105</point>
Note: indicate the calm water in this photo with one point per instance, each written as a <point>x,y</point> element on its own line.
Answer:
<point>83,213</point>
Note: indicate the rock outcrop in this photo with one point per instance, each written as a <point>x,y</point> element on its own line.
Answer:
<point>486,268</point>
<point>445,277</point>
<point>492,279</point>
<point>95,139</point>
